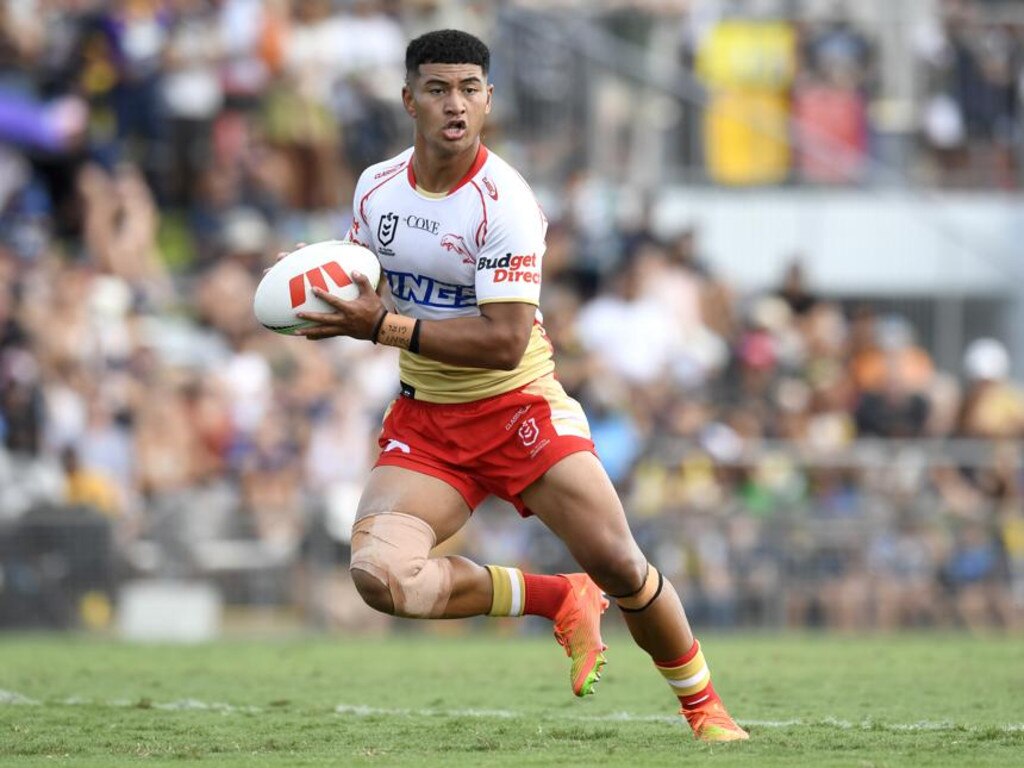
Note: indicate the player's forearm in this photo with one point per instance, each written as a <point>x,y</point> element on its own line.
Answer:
<point>474,342</point>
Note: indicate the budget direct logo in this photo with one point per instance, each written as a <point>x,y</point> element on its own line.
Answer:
<point>315,278</point>
<point>520,268</point>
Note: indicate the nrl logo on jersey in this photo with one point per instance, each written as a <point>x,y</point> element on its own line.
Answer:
<point>456,244</point>
<point>386,228</point>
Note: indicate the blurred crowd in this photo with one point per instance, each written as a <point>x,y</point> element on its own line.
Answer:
<point>156,155</point>
<point>824,80</point>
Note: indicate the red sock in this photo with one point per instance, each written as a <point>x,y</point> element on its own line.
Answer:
<point>687,667</point>
<point>686,658</point>
<point>708,694</point>
<point>544,594</point>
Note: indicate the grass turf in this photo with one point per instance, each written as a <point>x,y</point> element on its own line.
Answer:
<point>482,700</point>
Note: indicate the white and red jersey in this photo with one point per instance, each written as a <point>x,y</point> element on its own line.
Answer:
<point>445,255</point>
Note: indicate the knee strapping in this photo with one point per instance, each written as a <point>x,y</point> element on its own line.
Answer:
<point>394,548</point>
<point>645,595</point>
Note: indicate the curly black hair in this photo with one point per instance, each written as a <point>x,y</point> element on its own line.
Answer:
<point>446,46</point>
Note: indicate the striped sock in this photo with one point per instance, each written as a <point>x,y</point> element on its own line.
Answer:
<point>516,593</point>
<point>689,677</point>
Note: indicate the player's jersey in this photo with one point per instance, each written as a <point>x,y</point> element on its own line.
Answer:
<point>444,256</point>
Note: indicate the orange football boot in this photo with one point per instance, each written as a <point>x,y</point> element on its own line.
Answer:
<point>710,722</point>
<point>578,630</point>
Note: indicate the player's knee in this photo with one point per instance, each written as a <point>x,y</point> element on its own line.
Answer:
<point>375,593</point>
<point>392,569</point>
<point>620,573</point>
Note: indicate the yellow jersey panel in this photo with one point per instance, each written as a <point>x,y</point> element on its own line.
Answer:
<point>437,382</point>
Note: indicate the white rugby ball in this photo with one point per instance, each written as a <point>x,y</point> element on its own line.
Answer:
<point>287,287</point>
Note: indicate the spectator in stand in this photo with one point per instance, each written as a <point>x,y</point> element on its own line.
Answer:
<point>88,488</point>
<point>904,560</point>
<point>192,94</point>
<point>971,118</point>
<point>993,405</point>
<point>609,326</point>
<point>831,103</point>
<point>794,289</point>
<point>136,34</point>
<point>975,573</point>
<point>894,380</point>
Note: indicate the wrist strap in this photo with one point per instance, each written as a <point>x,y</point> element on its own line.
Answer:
<point>414,340</point>
<point>396,331</point>
<point>378,324</point>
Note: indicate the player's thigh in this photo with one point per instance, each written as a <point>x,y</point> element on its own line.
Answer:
<point>396,489</point>
<point>577,501</point>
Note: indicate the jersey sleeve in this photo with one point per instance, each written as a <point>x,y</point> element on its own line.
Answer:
<point>512,230</point>
<point>359,230</point>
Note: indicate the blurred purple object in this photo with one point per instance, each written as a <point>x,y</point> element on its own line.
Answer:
<point>49,126</point>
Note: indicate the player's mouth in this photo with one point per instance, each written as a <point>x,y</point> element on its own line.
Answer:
<point>454,130</point>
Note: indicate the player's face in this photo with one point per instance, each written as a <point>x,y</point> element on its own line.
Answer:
<point>449,103</point>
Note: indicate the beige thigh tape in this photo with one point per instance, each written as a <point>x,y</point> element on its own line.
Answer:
<point>394,548</point>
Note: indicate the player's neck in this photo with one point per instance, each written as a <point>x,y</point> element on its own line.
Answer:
<point>438,173</point>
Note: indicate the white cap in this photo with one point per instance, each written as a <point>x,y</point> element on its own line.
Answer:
<point>986,359</point>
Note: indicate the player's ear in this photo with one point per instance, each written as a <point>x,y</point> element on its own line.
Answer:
<point>490,94</point>
<point>407,100</point>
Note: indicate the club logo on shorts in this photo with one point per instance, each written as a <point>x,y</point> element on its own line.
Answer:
<point>528,432</point>
<point>386,228</point>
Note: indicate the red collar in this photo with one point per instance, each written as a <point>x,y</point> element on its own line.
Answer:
<point>478,162</point>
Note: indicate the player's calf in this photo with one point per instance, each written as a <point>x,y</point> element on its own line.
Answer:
<point>688,674</point>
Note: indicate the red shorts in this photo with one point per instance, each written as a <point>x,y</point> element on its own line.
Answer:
<point>499,445</point>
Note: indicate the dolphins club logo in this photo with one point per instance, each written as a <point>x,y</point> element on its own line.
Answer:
<point>456,244</point>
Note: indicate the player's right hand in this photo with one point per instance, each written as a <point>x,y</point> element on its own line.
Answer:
<point>356,317</point>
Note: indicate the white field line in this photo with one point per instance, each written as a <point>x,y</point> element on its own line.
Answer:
<point>361,710</point>
<point>12,698</point>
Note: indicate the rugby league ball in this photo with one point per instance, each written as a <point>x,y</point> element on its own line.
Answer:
<point>287,287</point>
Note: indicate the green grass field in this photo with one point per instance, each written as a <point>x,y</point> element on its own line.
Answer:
<point>481,700</point>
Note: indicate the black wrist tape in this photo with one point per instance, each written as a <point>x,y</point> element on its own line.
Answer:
<point>414,340</point>
<point>380,322</point>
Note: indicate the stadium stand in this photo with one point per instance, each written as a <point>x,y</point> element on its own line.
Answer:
<point>794,456</point>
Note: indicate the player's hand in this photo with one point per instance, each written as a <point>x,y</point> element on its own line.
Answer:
<point>356,317</point>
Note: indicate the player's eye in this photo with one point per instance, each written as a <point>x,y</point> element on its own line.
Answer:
<point>435,91</point>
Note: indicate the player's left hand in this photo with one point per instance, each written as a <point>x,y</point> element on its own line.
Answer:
<point>356,317</point>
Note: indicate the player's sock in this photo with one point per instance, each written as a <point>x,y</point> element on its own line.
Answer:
<point>516,593</point>
<point>690,680</point>
<point>689,677</point>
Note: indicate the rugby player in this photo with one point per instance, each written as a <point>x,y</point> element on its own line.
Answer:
<point>460,239</point>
